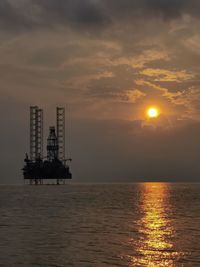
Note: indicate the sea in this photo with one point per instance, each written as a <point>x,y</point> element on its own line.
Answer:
<point>144,224</point>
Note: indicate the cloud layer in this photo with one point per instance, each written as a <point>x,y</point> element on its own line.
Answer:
<point>110,60</point>
<point>27,15</point>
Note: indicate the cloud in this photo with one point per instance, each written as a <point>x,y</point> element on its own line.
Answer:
<point>12,18</point>
<point>110,60</point>
<point>140,60</point>
<point>163,75</point>
<point>88,14</point>
<point>31,15</point>
<point>193,43</point>
<point>133,95</point>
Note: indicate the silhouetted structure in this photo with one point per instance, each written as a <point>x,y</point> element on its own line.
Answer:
<point>37,168</point>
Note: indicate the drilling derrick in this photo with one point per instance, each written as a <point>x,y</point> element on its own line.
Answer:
<point>52,145</point>
<point>38,168</point>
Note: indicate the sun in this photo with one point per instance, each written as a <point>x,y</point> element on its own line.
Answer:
<point>153,112</point>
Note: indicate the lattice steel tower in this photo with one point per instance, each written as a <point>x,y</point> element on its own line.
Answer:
<point>36,133</point>
<point>60,118</point>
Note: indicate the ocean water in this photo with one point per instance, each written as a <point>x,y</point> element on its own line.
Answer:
<point>150,224</point>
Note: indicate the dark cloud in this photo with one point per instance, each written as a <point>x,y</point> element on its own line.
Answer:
<point>72,12</point>
<point>165,9</point>
<point>11,18</point>
<point>50,14</point>
<point>88,13</point>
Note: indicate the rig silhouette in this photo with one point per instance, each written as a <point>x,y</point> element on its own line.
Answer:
<point>53,166</point>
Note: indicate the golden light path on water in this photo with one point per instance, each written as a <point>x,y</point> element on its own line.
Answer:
<point>155,247</point>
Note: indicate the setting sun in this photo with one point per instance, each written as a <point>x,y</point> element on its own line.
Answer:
<point>153,112</point>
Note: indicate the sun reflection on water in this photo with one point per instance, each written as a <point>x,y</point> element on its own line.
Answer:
<point>155,245</point>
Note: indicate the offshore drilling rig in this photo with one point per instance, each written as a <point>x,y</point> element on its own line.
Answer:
<point>53,166</point>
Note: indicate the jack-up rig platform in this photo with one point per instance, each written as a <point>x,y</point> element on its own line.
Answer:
<point>54,166</point>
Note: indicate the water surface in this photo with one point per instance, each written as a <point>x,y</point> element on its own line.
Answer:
<point>150,224</point>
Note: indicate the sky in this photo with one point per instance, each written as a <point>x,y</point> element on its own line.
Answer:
<point>107,61</point>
